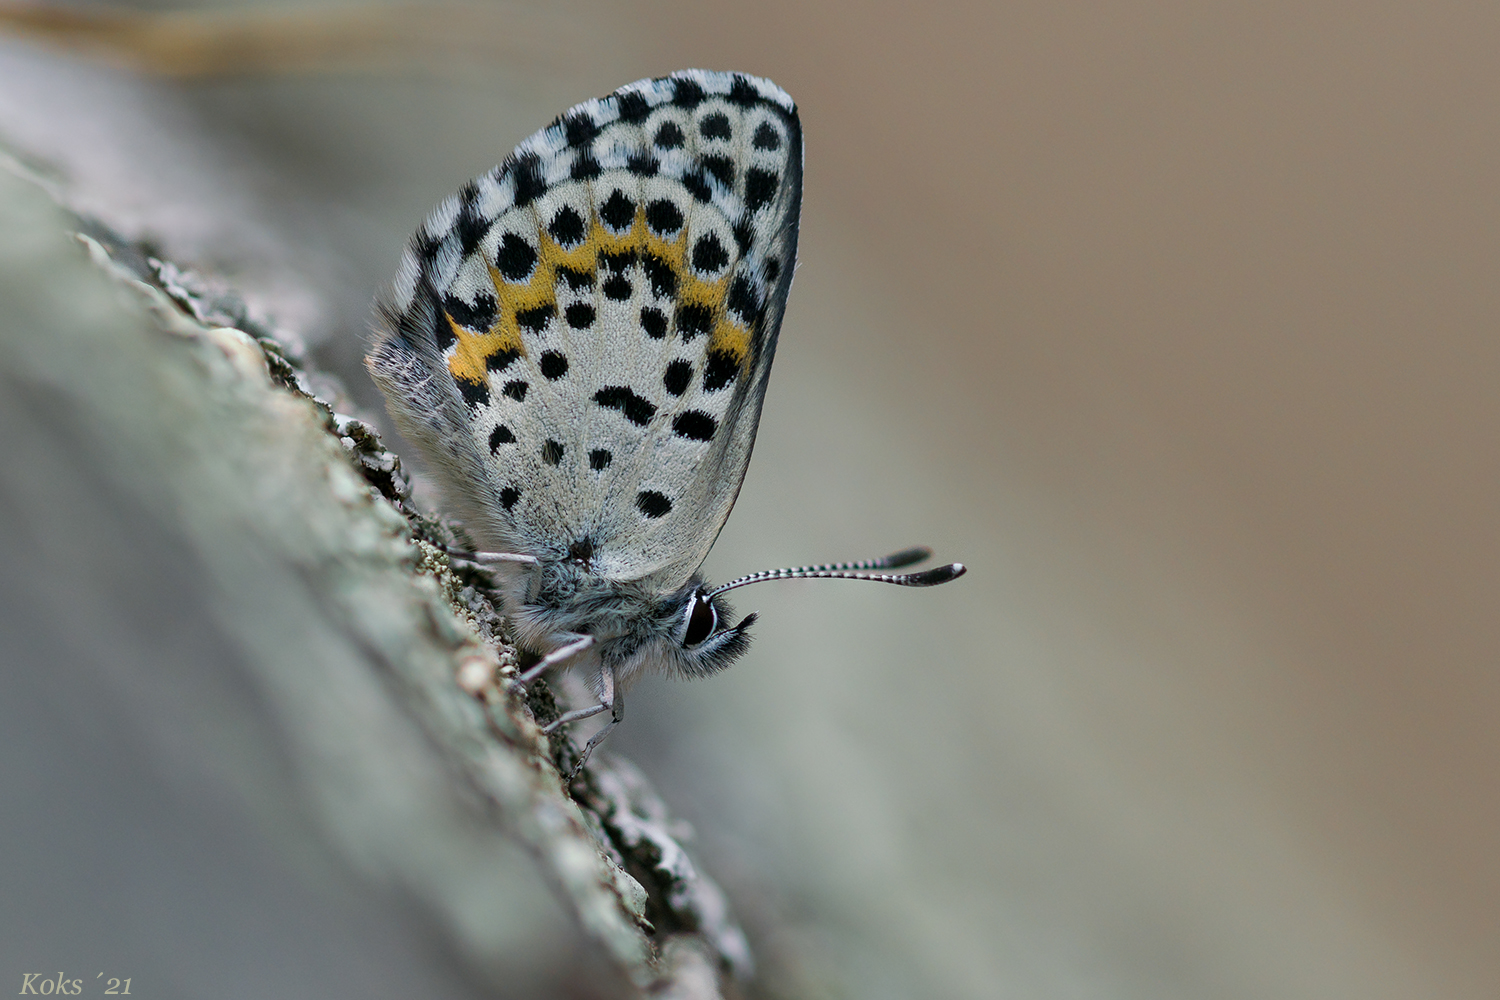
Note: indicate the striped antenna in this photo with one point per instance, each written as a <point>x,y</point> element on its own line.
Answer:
<point>855,571</point>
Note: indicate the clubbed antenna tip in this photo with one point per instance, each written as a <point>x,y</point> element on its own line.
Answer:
<point>933,577</point>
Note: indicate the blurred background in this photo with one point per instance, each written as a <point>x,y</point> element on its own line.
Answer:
<point>1175,322</point>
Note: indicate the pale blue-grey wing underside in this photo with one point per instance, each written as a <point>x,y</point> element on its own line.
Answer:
<point>580,339</point>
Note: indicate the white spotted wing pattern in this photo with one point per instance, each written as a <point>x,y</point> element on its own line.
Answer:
<point>580,341</point>
<point>605,305</point>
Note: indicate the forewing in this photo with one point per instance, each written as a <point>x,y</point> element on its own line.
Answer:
<point>582,336</point>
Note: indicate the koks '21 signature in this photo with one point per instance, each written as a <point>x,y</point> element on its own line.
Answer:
<point>32,982</point>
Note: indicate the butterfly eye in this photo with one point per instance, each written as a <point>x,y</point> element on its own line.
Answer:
<point>702,619</point>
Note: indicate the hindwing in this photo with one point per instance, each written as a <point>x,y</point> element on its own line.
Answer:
<point>581,338</point>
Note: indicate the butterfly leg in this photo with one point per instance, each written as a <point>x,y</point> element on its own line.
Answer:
<point>552,659</point>
<point>573,716</point>
<point>608,701</point>
<point>612,698</point>
<point>555,657</point>
<point>490,558</point>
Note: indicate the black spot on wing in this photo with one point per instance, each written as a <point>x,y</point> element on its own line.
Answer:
<point>693,319</point>
<point>552,451</point>
<point>581,128</point>
<point>474,393</point>
<point>721,167</point>
<point>530,185</point>
<point>742,93</point>
<point>766,137</point>
<point>695,425</point>
<point>633,108</point>
<point>618,211</point>
<point>697,184</point>
<point>760,188</point>
<point>618,288</point>
<point>663,217</point>
<point>425,248</point>
<point>516,389</point>
<point>509,496</point>
<point>575,279</point>
<point>554,365</point>
<point>600,458</point>
<point>642,164</point>
<point>715,125</point>
<point>709,254</point>
<point>636,409</point>
<point>678,376</point>
<point>654,322</point>
<point>477,315</point>
<point>669,136</point>
<point>653,504</point>
<point>585,166</point>
<point>515,258</point>
<point>567,227</point>
<point>470,226</point>
<point>535,319</point>
<point>722,368</point>
<point>663,279</point>
<point>499,436</point>
<point>744,234</point>
<point>742,301</point>
<point>500,360</point>
<point>687,94</point>
<point>580,315</point>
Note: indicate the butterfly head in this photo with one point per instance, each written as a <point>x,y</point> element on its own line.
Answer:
<point>703,640</point>
<point>687,632</point>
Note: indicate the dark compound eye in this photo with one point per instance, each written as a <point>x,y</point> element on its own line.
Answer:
<point>702,619</point>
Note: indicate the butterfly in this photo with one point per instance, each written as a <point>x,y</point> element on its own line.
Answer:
<point>580,340</point>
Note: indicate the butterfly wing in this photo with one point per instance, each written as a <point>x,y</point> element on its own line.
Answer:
<point>581,338</point>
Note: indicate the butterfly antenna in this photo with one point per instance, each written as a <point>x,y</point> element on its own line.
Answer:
<point>858,571</point>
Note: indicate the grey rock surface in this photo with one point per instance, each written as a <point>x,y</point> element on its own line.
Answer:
<point>258,737</point>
